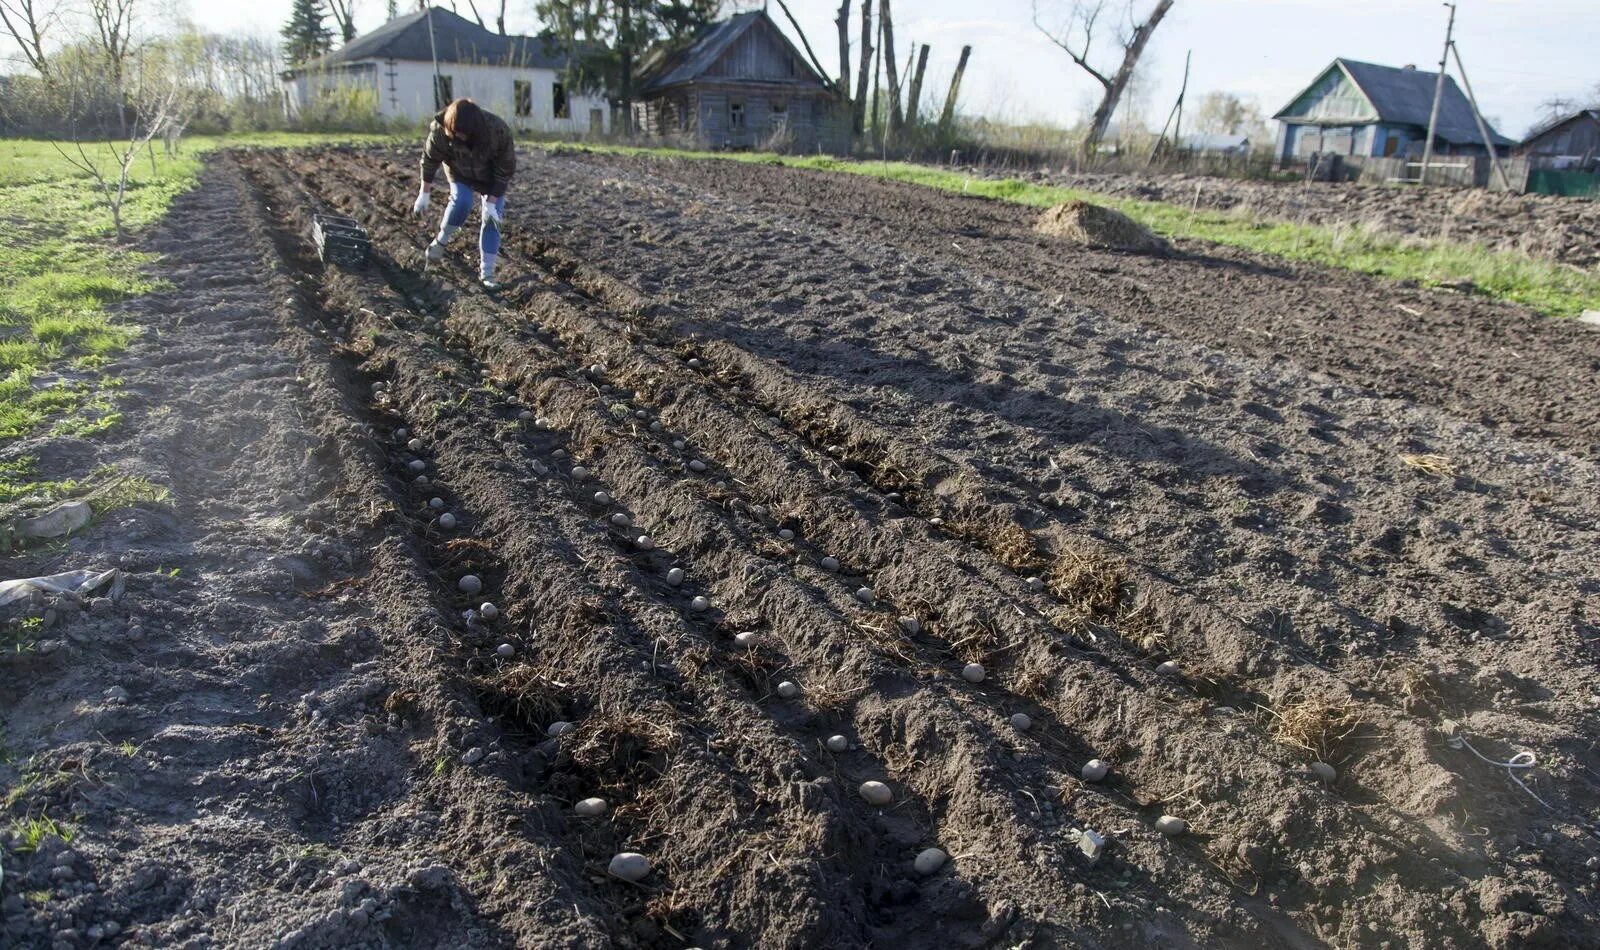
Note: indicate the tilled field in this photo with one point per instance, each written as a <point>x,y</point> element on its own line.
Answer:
<point>1560,229</point>
<point>747,460</point>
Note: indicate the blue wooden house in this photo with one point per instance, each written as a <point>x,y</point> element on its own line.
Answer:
<point>1363,109</point>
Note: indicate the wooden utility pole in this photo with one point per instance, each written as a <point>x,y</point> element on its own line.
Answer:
<point>1483,127</point>
<point>842,21</point>
<point>949,113</point>
<point>1438,94</point>
<point>914,97</point>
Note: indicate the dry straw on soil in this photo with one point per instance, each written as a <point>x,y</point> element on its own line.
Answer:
<point>1316,726</point>
<point>1095,226</point>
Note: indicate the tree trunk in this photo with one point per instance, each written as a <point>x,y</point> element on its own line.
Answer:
<point>877,81</point>
<point>914,97</point>
<point>500,21</point>
<point>949,114</point>
<point>891,67</point>
<point>1119,81</point>
<point>842,21</point>
<point>625,48</point>
<point>864,73</point>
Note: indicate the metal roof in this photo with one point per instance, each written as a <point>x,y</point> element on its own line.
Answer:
<point>1550,125</point>
<point>668,65</point>
<point>457,39</point>
<point>1405,97</point>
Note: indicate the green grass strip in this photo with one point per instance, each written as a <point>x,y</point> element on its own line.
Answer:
<point>1546,286</point>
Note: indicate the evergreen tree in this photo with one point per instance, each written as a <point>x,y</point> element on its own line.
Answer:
<point>305,36</point>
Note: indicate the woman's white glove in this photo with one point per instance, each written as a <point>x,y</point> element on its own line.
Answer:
<point>491,210</point>
<point>422,201</point>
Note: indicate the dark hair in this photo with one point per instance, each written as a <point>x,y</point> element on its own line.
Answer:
<point>464,120</point>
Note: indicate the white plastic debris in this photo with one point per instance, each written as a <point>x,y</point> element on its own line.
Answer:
<point>59,521</point>
<point>81,583</point>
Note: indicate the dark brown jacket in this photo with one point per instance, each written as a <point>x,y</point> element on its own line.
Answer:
<point>485,166</point>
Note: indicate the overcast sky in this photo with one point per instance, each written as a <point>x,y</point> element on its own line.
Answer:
<point>1519,52</point>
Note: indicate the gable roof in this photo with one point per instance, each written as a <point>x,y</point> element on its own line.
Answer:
<point>1405,97</point>
<point>1545,128</point>
<point>457,39</point>
<point>671,64</point>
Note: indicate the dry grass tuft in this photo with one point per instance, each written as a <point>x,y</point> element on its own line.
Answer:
<point>527,693</point>
<point>616,747</point>
<point>1417,690</point>
<point>1437,465</point>
<point>1091,582</point>
<point>1316,726</point>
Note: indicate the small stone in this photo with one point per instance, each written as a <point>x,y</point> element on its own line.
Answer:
<point>488,611</point>
<point>421,481</point>
<point>865,595</point>
<point>414,445</point>
<point>436,503</point>
<point>679,444</point>
<point>621,520</point>
<point>911,625</point>
<point>784,534</point>
<point>973,672</point>
<point>876,793</point>
<point>830,563</point>
<point>1021,722</point>
<point>525,415</point>
<point>656,426</point>
<point>838,744</point>
<point>1167,668</point>
<point>417,465</point>
<point>401,434</point>
<point>1095,769</point>
<point>1171,826</point>
<point>559,454</point>
<point>579,473</point>
<point>447,521</point>
<point>695,465</point>
<point>629,866</point>
<point>472,756</point>
<point>559,728</point>
<point>602,498</point>
<point>469,584</point>
<point>645,543</point>
<point>675,576</point>
<point>591,807</point>
<point>788,690</point>
<point>699,605</point>
<point>505,650</point>
<point>930,861</point>
<point>1093,844</point>
<point>1325,772</point>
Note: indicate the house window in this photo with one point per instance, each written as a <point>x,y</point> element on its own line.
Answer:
<point>736,116</point>
<point>522,96</point>
<point>559,106</point>
<point>443,91</point>
<point>778,115</point>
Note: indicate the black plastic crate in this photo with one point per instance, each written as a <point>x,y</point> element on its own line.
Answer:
<point>340,240</point>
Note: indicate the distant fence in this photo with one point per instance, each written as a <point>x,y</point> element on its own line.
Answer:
<point>1523,175</point>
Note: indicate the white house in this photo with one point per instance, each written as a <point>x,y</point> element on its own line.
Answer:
<point>519,78</point>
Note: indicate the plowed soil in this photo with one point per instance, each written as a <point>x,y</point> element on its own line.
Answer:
<point>1207,518</point>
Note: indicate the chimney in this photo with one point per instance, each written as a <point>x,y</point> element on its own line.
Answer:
<point>1410,66</point>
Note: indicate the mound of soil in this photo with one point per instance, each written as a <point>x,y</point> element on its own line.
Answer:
<point>1100,227</point>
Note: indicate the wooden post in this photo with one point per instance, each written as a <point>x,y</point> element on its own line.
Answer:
<point>1483,127</point>
<point>891,66</point>
<point>842,21</point>
<point>1438,93</point>
<point>949,113</point>
<point>863,73</point>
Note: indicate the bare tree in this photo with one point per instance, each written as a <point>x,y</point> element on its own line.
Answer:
<point>113,32</point>
<point>842,21</point>
<point>156,112</point>
<point>914,96</point>
<point>1076,36</point>
<point>28,25</point>
<point>891,66</point>
<point>948,115</point>
<point>858,114</point>
<point>344,14</point>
